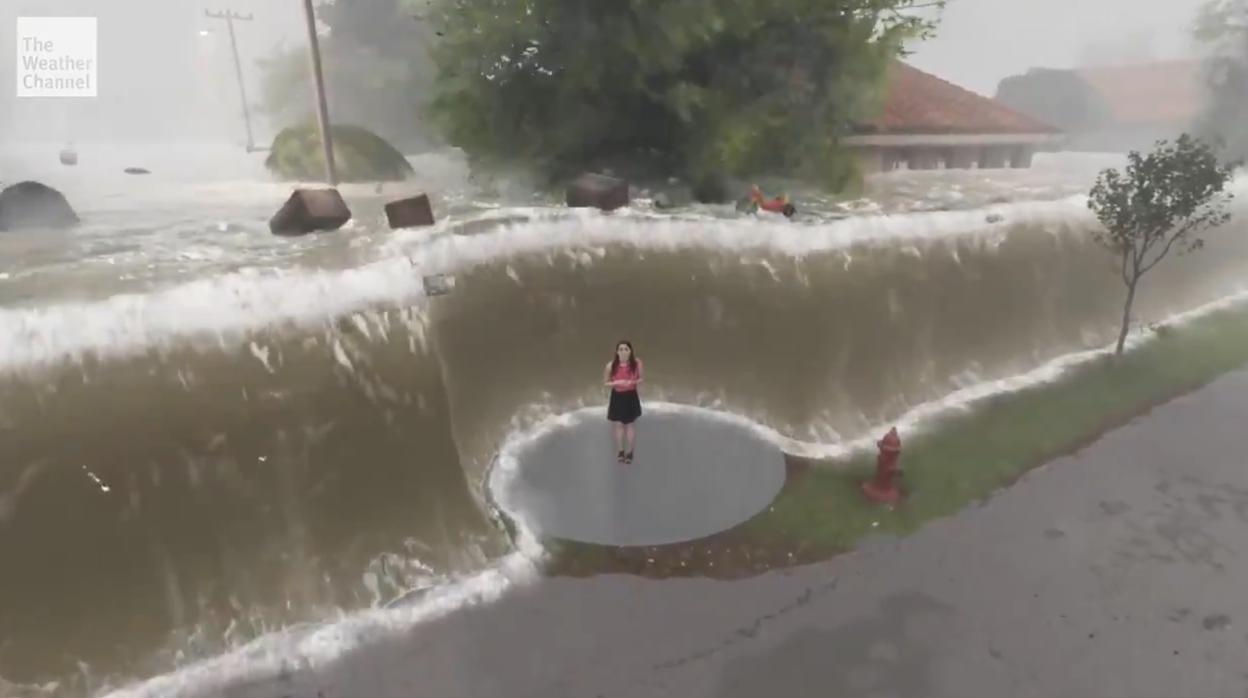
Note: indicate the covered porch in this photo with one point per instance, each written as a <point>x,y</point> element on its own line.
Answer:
<point>888,152</point>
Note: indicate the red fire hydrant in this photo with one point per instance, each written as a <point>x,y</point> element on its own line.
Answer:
<point>883,487</point>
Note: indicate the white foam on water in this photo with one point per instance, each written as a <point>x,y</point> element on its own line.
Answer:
<point>226,307</point>
<point>542,420</point>
<point>552,229</point>
<point>221,309</point>
<point>308,645</point>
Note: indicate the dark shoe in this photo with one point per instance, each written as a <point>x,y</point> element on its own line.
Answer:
<point>628,457</point>
<point>619,457</point>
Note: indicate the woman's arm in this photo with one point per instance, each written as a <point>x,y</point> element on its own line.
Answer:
<point>606,375</point>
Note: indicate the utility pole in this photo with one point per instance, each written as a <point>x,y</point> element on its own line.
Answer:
<point>322,108</point>
<point>229,16</point>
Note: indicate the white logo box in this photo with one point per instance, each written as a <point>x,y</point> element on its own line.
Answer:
<point>57,57</point>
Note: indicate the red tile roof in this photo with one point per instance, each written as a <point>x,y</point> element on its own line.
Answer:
<point>1167,92</point>
<point>916,102</point>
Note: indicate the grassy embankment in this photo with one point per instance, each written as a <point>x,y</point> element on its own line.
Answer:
<point>967,456</point>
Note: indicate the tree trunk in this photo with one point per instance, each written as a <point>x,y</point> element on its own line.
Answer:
<point>1126,317</point>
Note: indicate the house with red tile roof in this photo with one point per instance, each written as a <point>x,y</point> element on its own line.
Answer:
<point>925,123</point>
<point>1111,108</point>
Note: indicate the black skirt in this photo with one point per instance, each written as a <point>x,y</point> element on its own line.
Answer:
<point>624,407</point>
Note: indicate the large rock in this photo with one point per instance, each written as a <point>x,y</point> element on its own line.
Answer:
<point>309,210</point>
<point>597,191</point>
<point>359,155</point>
<point>410,212</point>
<point>33,205</point>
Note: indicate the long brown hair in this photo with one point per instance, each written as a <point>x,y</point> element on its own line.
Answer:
<point>632,357</point>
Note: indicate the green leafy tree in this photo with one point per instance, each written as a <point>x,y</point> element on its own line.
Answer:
<point>1221,19</point>
<point>696,88</point>
<point>1222,28</point>
<point>1161,202</point>
<point>359,154</point>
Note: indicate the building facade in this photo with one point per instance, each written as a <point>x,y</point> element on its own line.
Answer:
<point>928,123</point>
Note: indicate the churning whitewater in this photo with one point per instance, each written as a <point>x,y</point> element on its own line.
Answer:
<point>226,454</point>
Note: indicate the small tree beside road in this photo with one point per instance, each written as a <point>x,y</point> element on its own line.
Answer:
<point>1162,201</point>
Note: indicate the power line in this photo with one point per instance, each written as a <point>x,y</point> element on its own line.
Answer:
<point>230,16</point>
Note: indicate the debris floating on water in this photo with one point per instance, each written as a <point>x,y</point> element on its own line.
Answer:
<point>439,284</point>
<point>100,483</point>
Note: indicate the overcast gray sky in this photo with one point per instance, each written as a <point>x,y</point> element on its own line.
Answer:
<point>982,41</point>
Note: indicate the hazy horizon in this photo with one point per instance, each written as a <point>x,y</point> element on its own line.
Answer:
<point>975,48</point>
<point>183,84</point>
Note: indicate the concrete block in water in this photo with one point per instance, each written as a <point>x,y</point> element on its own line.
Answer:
<point>308,210</point>
<point>410,212</point>
<point>597,191</point>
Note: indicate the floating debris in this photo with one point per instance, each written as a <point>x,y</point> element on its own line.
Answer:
<point>103,487</point>
<point>439,284</point>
